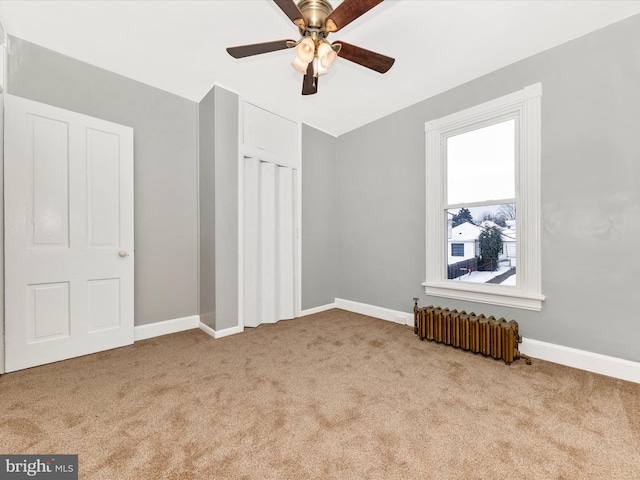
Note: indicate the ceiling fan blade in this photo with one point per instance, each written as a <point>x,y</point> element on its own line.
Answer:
<point>258,48</point>
<point>292,11</point>
<point>375,61</point>
<point>347,12</point>
<point>309,82</point>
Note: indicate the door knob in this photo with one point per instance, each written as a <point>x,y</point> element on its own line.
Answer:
<point>123,253</point>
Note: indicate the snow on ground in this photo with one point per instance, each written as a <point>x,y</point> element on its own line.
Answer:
<point>484,277</point>
<point>511,281</point>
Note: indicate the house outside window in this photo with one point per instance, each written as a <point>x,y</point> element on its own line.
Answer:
<point>483,166</point>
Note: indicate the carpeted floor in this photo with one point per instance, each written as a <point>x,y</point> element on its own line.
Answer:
<point>334,395</point>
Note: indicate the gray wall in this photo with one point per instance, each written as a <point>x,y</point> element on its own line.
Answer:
<point>165,153</point>
<point>226,209</point>
<point>319,218</point>
<point>590,195</point>
<point>218,175</point>
<point>206,177</point>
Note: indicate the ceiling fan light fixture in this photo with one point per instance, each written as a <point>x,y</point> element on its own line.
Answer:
<point>326,55</point>
<point>299,65</point>
<point>305,50</point>
<point>314,55</point>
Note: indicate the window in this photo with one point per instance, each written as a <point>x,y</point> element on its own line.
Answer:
<point>457,249</point>
<point>483,202</point>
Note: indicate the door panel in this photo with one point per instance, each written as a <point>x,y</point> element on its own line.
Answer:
<point>267,248</point>
<point>48,171</point>
<point>103,161</point>
<point>48,314</point>
<point>251,241</point>
<point>285,244</point>
<point>69,234</point>
<point>104,304</point>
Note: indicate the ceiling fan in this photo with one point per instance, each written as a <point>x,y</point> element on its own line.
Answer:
<point>316,19</point>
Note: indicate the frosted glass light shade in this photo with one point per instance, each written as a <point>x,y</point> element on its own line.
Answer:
<point>306,50</point>
<point>299,65</point>
<point>326,55</point>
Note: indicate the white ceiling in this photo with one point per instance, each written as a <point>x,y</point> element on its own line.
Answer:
<point>179,46</point>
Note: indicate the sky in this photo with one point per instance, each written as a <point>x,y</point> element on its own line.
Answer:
<point>481,164</point>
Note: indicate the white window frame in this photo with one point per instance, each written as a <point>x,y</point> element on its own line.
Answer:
<point>525,107</point>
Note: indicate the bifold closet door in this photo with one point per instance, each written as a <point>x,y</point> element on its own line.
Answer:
<point>251,241</point>
<point>285,246</point>
<point>269,247</point>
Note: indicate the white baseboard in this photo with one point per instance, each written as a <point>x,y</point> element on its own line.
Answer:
<point>207,329</point>
<point>142,332</point>
<point>583,360</point>
<point>570,357</point>
<point>322,308</point>
<point>220,333</point>
<point>395,316</point>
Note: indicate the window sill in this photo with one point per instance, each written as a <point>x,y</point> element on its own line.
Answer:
<point>497,296</point>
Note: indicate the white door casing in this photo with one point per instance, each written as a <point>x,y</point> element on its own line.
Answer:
<point>68,234</point>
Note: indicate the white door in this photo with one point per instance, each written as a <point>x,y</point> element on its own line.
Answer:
<point>68,234</point>
<point>269,242</point>
<point>2,369</point>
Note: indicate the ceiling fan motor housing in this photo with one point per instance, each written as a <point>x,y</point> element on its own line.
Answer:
<point>315,12</point>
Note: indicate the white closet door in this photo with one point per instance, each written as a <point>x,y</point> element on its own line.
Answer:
<point>269,242</point>
<point>267,246</point>
<point>251,241</point>
<point>285,244</point>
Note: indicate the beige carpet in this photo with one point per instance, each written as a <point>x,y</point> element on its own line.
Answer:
<point>335,395</point>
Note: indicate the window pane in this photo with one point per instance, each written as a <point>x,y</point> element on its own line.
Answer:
<point>457,249</point>
<point>481,164</point>
<point>482,244</point>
